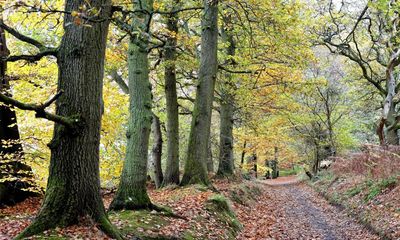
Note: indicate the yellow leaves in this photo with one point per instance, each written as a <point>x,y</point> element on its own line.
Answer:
<point>75,13</point>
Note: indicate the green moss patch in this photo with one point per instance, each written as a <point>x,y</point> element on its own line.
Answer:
<point>143,224</point>
<point>221,207</point>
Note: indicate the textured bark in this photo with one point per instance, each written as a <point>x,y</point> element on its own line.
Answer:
<point>388,112</point>
<point>195,165</point>
<point>156,152</point>
<point>11,152</point>
<point>73,188</point>
<point>210,161</point>
<point>132,193</point>
<point>226,160</point>
<point>172,166</point>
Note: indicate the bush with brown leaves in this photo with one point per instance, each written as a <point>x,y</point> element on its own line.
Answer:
<point>373,160</point>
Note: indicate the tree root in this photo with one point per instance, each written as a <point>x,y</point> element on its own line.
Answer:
<point>42,224</point>
<point>167,212</point>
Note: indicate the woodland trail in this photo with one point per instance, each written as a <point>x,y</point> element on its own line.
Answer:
<point>300,213</point>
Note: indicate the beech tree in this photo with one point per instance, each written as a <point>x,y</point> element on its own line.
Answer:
<point>132,193</point>
<point>171,175</point>
<point>196,161</point>
<point>226,160</point>
<point>73,188</point>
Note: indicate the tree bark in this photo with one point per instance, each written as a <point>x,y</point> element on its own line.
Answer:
<point>73,188</point>
<point>172,166</point>
<point>195,165</point>
<point>156,152</point>
<point>226,160</point>
<point>210,161</point>
<point>132,193</point>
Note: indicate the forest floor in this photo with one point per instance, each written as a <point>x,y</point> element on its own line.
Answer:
<point>272,209</point>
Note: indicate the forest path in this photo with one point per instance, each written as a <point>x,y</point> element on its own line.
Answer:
<point>300,213</point>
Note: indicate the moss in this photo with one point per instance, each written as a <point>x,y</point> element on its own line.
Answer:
<point>375,188</point>
<point>188,236</point>
<point>221,207</point>
<point>354,191</point>
<point>139,223</point>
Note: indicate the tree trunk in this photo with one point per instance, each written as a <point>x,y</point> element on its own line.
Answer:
<point>156,152</point>
<point>226,163</point>
<point>132,193</point>
<point>210,161</point>
<point>392,137</point>
<point>226,160</point>
<point>73,188</point>
<point>195,165</point>
<point>19,175</point>
<point>172,166</point>
<point>243,153</point>
<point>388,112</point>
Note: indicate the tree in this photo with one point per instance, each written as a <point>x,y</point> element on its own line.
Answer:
<point>132,193</point>
<point>195,165</point>
<point>156,152</point>
<point>16,178</point>
<point>369,41</point>
<point>73,188</point>
<point>172,165</point>
<point>226,160</point>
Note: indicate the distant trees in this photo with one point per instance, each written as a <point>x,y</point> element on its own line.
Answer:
<point>369,41</point>
<point>321,120</point>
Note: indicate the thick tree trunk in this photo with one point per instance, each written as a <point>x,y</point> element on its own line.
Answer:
<point>388,112</point>
<point>156,152</point>
<point>19,175</point>
<point>73,188</point>
<point>132,193</point>
<point>172,167</point>
<point>226,160</point>
<point>195,165</point>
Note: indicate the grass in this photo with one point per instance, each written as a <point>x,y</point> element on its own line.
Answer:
<point>375,188</point>
<point>289,172</point>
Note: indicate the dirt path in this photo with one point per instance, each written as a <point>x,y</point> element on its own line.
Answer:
<point>297,212</point>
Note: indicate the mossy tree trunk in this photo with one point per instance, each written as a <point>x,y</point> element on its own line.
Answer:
<point>196,160</point>
<point>171,175</point>
<point>226,160</point>
<point>73,188</point>
<point>16,178</point>
<point>156,152</point>
<point>132,193</point>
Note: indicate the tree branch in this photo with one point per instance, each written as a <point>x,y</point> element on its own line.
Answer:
<point>32,58</point>
<point>21,37</point>
<point>40,109</point>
